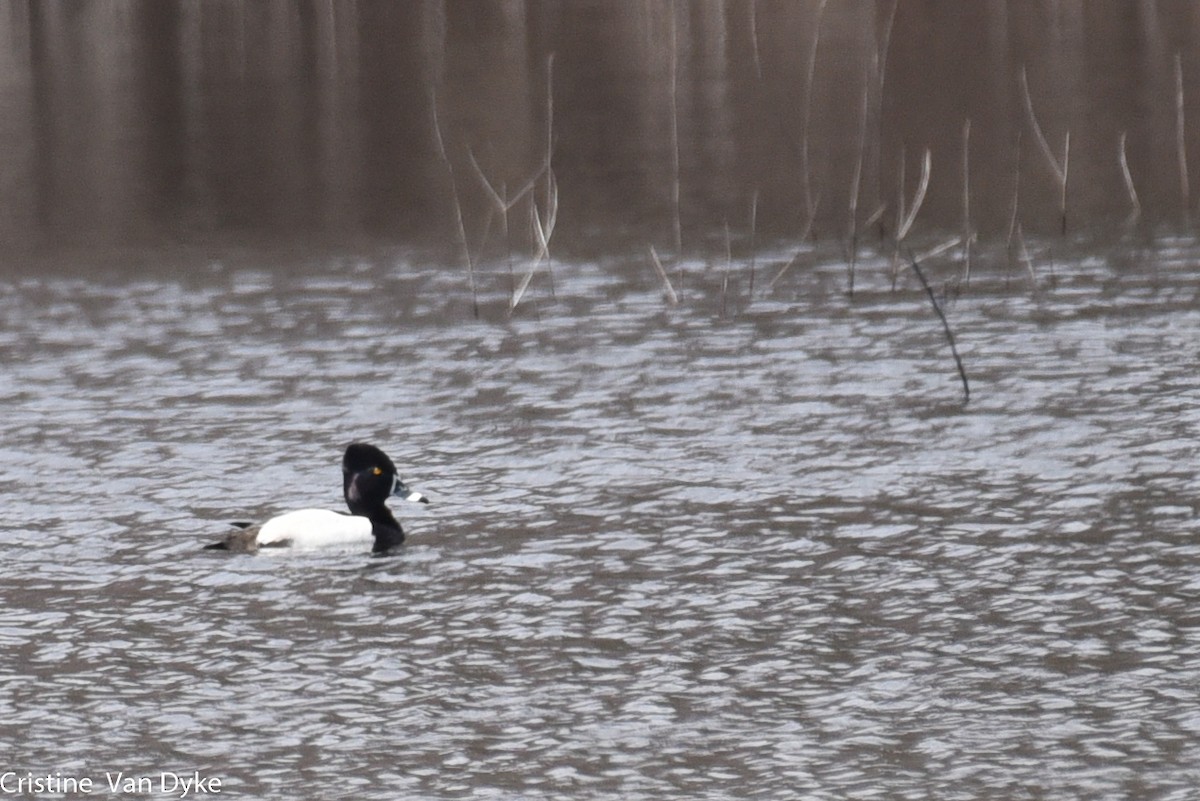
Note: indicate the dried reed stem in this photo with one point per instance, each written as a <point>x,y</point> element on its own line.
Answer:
<point>753,6</point>
<point>549,124</point>
<point>1062,189</point>
<point>1025,257</point>
<point>500,198</point>
<point>812,218</point>
<point>458,217</point>
<point>551,182</point>
<point>1184,185</point>
<point>1016,195</point>
<point>856,181</point>
<point>904,221</point>
<point>753,237</point>
<point>966,200</point>
<point>1058,168</point>
<point>880,60</point>
<point>938,250</point>
<point>502,204</point>
<point>966,174</point>
<point>875,216</point>
<point>1128,176</point>
<point>728,267</point>
<point>542,232</point>
<point>672,298</point>
<point>674,69</point>
<point>810,75</point>
<point>918,198</point>
<point>783,269</point>
<point>902,179</point>
<point>882,54</point>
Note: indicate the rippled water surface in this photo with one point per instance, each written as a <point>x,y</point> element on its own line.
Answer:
<point>726,549</point>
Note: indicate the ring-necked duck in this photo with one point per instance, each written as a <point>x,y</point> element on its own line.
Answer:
<point>368,480</point>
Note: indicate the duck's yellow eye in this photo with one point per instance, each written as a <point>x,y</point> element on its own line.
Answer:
<point>377,471</point>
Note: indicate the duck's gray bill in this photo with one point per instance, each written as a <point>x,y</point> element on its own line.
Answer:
<point>401,490</point>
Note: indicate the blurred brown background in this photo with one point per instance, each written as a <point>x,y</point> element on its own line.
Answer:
<point>129,122</point>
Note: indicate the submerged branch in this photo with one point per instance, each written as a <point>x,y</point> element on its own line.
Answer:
<point>962,373</point>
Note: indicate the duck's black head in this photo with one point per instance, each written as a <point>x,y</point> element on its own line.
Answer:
<point>368,480</point>
<point>368,476</point>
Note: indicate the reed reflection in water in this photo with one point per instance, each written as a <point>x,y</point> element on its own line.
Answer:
<point>138,122</point>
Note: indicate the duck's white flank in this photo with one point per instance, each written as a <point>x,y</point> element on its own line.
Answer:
<point>315,528</point>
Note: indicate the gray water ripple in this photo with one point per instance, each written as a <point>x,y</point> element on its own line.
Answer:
<point>670,555</point>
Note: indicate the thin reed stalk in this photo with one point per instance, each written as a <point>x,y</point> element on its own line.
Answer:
<point>806,117</point>
<point>499,198</point>
<point>753,8</point>
<point>508,249</point>
<point>875,216</point>
<point>885,45</point>
<point>962,372</point>
<point>502,204</point>
<point>918,198</point>
<point>753,237</point>
<point>967,236</point>
<point>551,182</point>
<point>880,60</point>
<point>1026,259</point>
<point>783,269</point>
<point>856,180</point>
<point>669,291</point>
<point>904,221</point>
<point>458,217</point>
<point>938,250</point>
<point>462,238</point>
<point>1062,189</point>
<point>674,75</point>
<point>812,218</point>
<point>1185,189</point>
<point>1128,176</point>
<point>1016,194</point>
<point>549,124</point>
<point>542,231</point>
<point>728,267</point>
<point>966,173</point>
<point>779,275</point>
<point>1059,168</point>
<point>894,267</point>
